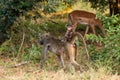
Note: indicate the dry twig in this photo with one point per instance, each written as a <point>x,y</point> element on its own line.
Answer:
<point>19,64</point>
<point>23,38</point>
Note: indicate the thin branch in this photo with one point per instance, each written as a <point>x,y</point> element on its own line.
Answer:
<point>23,38</point>
<point>53,21</point>
<point>19,64</point>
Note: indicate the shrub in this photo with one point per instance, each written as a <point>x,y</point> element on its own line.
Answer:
<point>109,55</point>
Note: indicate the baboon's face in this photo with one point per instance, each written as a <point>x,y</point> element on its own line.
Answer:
<point>69,31</point>
<point>43,38</point>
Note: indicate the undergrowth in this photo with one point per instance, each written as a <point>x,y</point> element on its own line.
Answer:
<point>108,56</point>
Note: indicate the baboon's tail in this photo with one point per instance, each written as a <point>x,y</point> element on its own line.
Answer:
<point>76,51</point>
<point>84,42</point>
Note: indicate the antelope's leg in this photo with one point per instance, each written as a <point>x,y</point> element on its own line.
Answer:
<point>93,29</point>
<point>86,31</point>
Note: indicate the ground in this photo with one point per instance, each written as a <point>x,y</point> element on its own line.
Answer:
<point>30,71</point>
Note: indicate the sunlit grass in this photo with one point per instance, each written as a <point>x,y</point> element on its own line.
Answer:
<point>83,6</point>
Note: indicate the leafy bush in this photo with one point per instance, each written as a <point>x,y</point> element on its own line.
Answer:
<point>34,52</point>
<point>9,13</point>
<point>49,6</point>
<point>99,5</point>
<point>30,49</point>
<point>109,55</point>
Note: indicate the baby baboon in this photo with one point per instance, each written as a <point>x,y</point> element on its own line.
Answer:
<point>70,35</point>
<point>59,48</point>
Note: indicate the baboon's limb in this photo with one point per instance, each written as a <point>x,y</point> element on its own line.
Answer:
<point>60,58</point>
<point>43,56</point>
<point>70,50</point>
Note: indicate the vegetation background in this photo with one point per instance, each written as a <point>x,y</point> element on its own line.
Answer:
<point>23,21</point>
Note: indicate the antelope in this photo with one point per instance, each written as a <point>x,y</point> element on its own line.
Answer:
<point>86,18</point>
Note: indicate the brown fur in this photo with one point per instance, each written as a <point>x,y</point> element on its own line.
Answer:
<point>70,35</point>
<point>84,17</point>
<point>59,48</point>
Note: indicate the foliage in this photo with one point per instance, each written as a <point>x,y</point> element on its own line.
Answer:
<point>16,36</point>
<point>52,6</point>
<point>109,55</point>
<point>12,9</point>
<point>30,49</point>
<point>100,5</point>
<point>34,52</point>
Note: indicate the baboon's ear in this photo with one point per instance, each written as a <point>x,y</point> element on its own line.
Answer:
<point>47,34</point>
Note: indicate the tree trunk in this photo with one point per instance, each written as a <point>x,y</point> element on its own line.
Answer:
<point>114,7</point>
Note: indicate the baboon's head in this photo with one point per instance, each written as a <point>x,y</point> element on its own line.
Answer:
<point>69,31</point>
<point>43,38</point>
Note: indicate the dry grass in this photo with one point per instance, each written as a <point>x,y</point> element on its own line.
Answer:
<point>31,72</point>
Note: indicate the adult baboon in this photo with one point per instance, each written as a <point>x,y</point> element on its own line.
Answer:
<point>58,47</point>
